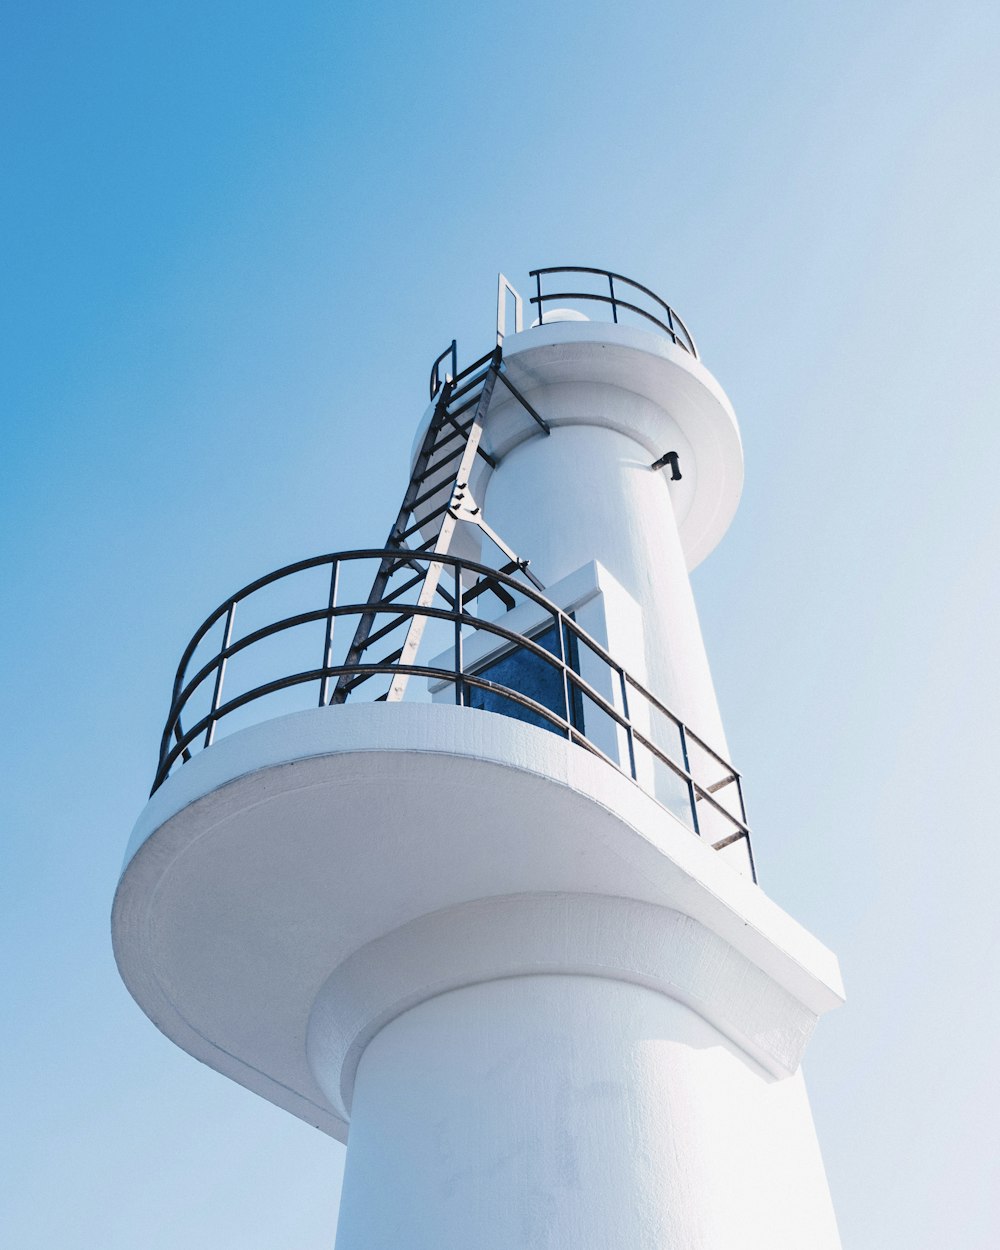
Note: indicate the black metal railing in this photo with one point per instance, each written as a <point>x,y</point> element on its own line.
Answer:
<point>550,672</point>
<point>652,308</point>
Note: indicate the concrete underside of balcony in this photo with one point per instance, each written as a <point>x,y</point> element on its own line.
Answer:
<point>405,850</point>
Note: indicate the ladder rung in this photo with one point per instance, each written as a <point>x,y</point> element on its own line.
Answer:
<point>417,525</point>
<point>417,567</point>
<point>476,364</point>
<point>458,429</point>
<point>386,629</point>
<point>431,492</point>
<point>401,590</point>
<point>458,432</point>
<point>464,389</point>
<point>456,425</point>
<point>469,403</point>
<point>389,659</point>
<point>353,683</point>
<point>450,458</point>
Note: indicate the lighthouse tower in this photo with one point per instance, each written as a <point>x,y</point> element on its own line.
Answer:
<point>445,854</point>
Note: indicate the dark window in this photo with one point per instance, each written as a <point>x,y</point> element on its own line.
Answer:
<point>529,674</point>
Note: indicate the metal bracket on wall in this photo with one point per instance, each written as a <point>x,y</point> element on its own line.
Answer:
<point>671,459</point>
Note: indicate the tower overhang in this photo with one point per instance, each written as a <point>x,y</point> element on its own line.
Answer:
<point>328,861</point>
<point>639,384</point>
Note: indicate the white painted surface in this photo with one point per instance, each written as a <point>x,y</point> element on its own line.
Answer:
<point>266,862</point>
<point>617,399</point>
<point>609,615</point>
<point>575,1113</point>
<point>552,315</point>
<point>551,1016</point>
<point>529,934</point>
<point>534,499</point>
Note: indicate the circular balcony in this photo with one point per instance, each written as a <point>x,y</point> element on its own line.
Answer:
<point>290,641</point>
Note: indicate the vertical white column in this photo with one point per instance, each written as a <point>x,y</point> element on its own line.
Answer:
<point>574,1113</point>
<point>587,492</point>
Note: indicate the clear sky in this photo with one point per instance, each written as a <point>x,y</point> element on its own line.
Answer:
<point>235,236</point>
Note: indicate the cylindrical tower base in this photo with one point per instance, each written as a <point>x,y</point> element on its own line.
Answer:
<point>575,1112</point>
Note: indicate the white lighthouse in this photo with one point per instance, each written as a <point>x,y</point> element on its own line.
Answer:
<point>445,854</point>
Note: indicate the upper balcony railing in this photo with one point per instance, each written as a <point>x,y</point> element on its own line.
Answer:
<point>280,645</point>
<point>623,296</point>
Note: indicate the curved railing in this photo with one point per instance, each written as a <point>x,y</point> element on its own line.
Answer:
<point>548,671</point>
<point>651,307</point>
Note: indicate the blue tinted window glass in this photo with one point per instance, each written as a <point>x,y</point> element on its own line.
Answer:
<point>529,674</point>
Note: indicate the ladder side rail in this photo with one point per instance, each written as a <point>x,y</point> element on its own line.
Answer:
<point>389,563</point>
<point>415,632</point>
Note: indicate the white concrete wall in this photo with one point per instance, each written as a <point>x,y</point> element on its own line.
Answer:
<point>575,1113</point>
<point>587,493</point>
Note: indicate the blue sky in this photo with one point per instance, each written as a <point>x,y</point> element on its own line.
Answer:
<point>236,236</point>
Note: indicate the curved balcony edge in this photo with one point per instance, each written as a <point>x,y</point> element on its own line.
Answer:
<point>563,680</point>
<point>260,867</point>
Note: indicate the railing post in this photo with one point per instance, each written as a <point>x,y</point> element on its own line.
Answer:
<point>324,681</point>
<point>459,659</point>
<point>220,672</point>
<point>538,291</point>
<point>628,724</point>
<point>692,797</point>
<point>746,827</point>
<point>614,304</point>
<point>557,618</point>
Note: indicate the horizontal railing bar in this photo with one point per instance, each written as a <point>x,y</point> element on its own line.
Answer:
<point>586,688</point>
<point>386,663</point>
<point>583,741</point>
<point>603,273</point>
<point>688,778</point>
<point>420,557</point>
<point>674,325</point>
<point>488,576</point>
<point>660,707</point>
<point>733,820</point>
<point>662,756</point>
<point>618,303</point>
<point>738,836</point>
<point>366,671</point>
<point>716,786</point>
<point>719,759</point>
<point>404,611</point>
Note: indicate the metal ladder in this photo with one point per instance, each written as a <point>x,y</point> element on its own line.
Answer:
<point>436,499</point>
